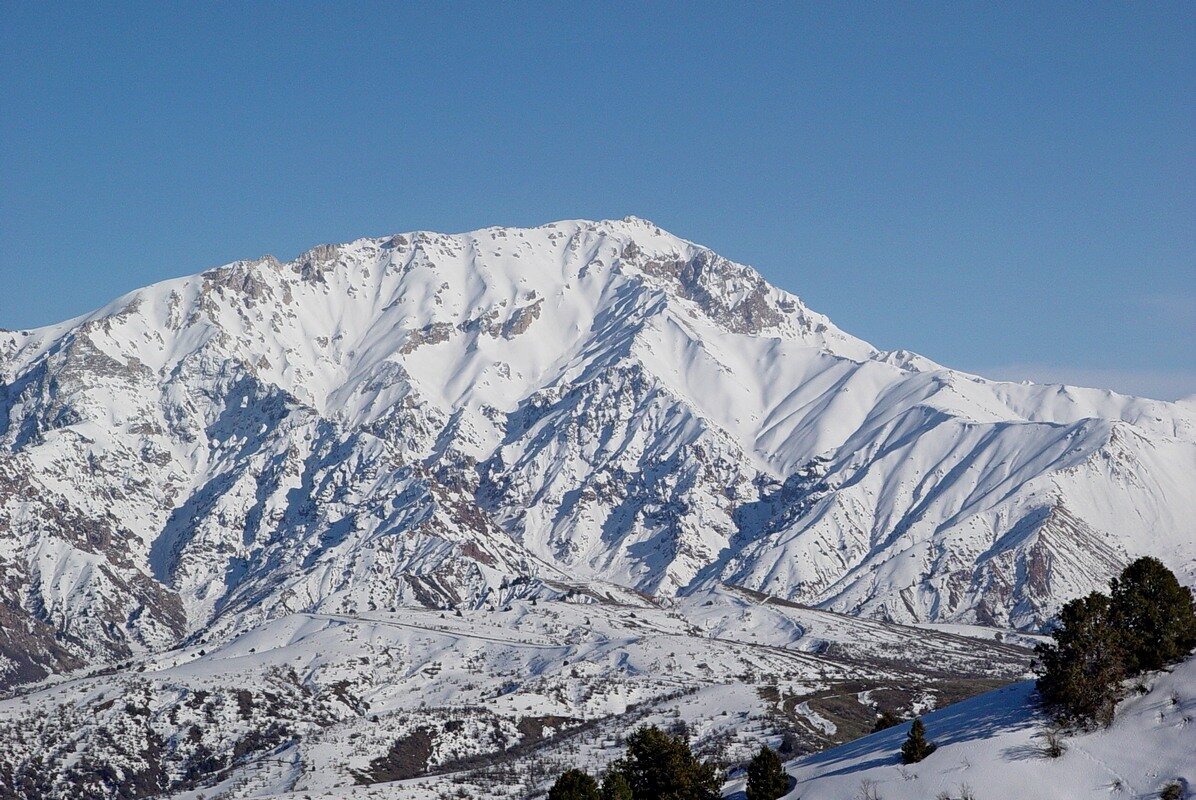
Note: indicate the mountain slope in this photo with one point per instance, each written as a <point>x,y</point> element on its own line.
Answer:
<point>993,745</point>
<point>459,421</point>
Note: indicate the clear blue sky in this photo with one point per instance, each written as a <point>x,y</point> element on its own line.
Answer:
<point>1005,190</point>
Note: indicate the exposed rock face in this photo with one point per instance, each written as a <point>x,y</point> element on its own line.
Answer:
<point>443,421</point>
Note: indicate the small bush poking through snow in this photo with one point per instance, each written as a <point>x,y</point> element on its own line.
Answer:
<point>965,793</point>
<point>868,790</point>
<point>1172,791</point>
<point>1053,745</point>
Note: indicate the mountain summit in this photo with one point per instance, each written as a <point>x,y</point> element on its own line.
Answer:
<point>459,420</point>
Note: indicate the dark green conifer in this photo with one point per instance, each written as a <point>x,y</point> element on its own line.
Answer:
<point>886,720</point>
<point>1154,614</point>
<point>662,767</point>
<point>573,784</point>
<point>916,747</point>
<point>616,787</point>
<point>1080,674</point>
<point>766,778</point>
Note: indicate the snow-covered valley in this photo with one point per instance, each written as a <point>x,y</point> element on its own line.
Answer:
<point>493,702</point>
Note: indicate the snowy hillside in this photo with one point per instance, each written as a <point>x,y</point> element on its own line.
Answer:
<point>992,745</point>
<point>485,704</point>
<point>472,420</point>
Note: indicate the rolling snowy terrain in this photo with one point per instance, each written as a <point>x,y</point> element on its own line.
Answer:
<point>490,703</point>
<point>505,471</point>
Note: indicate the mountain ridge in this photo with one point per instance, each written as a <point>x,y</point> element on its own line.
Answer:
<point>458,420</point>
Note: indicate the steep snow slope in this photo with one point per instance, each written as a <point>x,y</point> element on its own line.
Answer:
<point>993,745</point>
<point>460,421</point>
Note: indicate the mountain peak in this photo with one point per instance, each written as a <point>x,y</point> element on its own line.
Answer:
<point>428,418</point>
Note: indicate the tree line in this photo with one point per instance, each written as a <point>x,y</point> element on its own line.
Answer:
<point>661,766</point>
<point>1146,622</point>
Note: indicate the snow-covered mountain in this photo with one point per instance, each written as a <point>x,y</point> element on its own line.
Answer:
<point>478,419</point>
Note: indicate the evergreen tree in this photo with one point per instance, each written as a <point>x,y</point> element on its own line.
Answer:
<point>662,767</point>
<point>886,720</point>
<point>1155,615</point>
<point>616,787</point>
<point>766,778</point>
<point>916,747</point>
<point>1080,674</point>
<point>573,784</point>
